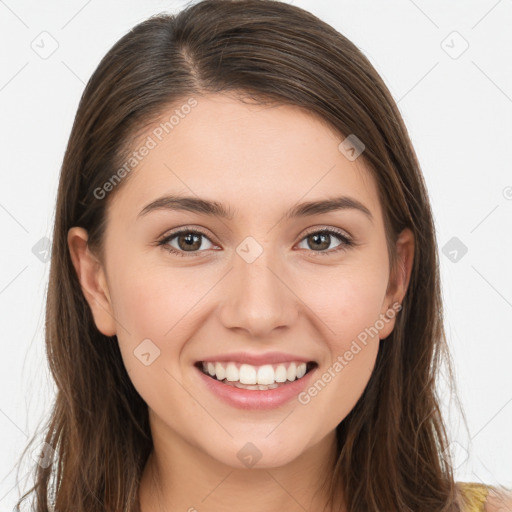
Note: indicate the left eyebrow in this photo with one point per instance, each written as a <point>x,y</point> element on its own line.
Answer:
<point>216,209</point>
<point>327,206</point>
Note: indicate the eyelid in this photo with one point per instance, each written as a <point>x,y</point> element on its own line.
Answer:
<point>186,229</point>
<point>320,229</point>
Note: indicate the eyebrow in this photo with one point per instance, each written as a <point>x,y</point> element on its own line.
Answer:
<point>216,209</point>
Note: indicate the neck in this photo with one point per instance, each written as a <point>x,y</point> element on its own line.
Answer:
<point>178,476</point>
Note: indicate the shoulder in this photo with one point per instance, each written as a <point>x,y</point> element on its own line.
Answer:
<point>477,497</point>
<point>472,496</point>
<point>499,499</point>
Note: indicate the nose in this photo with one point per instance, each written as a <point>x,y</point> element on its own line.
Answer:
<point>259,298</point>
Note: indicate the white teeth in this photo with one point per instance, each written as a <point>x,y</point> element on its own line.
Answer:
<point>231,372</point>
<point>249,376</point>
<point>259,387</point>
<point>265,374</point>
<point>281,374</point>
<point>292,371</point>
<point>220,372</point>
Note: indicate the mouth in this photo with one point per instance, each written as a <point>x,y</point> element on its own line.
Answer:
<point>256,378</point>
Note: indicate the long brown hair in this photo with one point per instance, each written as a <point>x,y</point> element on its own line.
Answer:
<point>391,445</point>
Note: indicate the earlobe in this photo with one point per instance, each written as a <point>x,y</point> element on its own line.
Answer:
<point>91,276</point>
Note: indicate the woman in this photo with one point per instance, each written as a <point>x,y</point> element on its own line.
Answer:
<point>244,310</point>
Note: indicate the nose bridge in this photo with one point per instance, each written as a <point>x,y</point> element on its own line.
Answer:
<point>258,299</point>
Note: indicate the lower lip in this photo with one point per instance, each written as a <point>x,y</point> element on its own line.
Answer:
<point>255,399</point>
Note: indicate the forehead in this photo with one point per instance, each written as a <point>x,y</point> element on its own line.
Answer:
<point>254,157</point>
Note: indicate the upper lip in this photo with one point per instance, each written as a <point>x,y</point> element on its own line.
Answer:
<point>257,359</point>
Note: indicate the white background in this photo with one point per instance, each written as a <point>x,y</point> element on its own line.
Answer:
<point>458,112</point>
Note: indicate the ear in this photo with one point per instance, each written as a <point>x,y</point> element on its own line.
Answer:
<point>398,282</point>
<point>92,280</point>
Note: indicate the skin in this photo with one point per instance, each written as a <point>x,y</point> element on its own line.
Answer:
<point>499,500</point>
<point>259,161</point>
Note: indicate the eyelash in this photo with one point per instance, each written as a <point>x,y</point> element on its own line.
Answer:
<point>345,241</point>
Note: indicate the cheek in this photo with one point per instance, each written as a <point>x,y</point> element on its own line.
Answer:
<point>154,302</point>
<point>349,308</point>
<point>349,374</point>
<point>344,374</point>
<point>150,346</point>
<point>348,301</point>
<point>156,309</point>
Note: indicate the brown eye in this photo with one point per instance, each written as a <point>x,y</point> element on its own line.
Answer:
<point>319,241</point>
<point>189,241</point>
<point>185,241</point>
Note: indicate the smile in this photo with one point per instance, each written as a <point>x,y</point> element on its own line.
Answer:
<point>263,377</point>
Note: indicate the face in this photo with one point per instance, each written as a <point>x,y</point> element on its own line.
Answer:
<point>267,283</point>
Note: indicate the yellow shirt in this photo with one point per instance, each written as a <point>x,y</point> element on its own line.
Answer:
<point>474,496</point>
